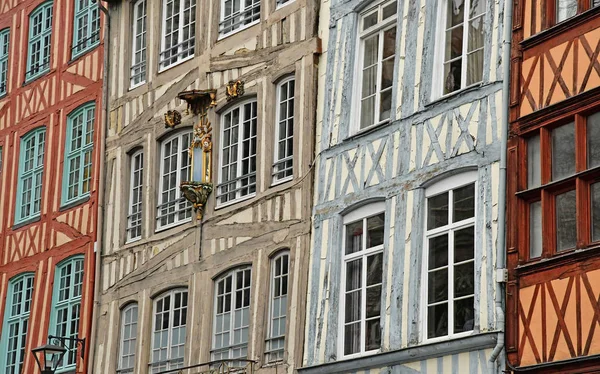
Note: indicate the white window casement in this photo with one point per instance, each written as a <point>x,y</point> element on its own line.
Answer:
<point>178,32</point>
<point>169,331</point>
<point>449,258</point>
<point>459,53</point>
<point>237,15</point>
<point>377,48</point>
<point>138,48</point>
<point>362,269</point>
<point>237,177</point>
<point>175,167</point>
<point>232,315</point>
<point>129,318</point>
<point>283,167</point>
<point>280,266</point>
<point>134,217</point>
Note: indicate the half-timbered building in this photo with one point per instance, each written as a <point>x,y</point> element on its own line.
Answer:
<point>553,238</point>
<point>209,180</point>
<point>51,74</point>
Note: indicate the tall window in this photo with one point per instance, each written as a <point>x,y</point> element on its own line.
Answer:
<point>238,153</point>
<point>238,14</point>
<point>86,31</point>
<point>449,258</point>
<point>175,168</point>
<point>232,315</point>
<point>362,271</point>
<point>179,31</point>
<point>66,305</point>
<point>16,321</point>
<point>278,307</point>
<point>134,218</point>
<point>138,50</point>
<point>377,33</point>
<point>4,45</point>
<point>31,169</point>
<point>78,159</point>
<point>460,49</point>
<point>168,331</point>
<point>129,318</point>
<point>283,167</point>
<point>40,35</point>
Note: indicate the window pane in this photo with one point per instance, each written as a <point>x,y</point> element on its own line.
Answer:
<point>563,151</point>
<point>374,269</point>
<point>373,307</point>
<point>437,320</point>
<point>375,229</point>
<point>353,275</point>
<point>373,335</point>
<point>593,139</point>
<point>352,338</point>
<point>463,315</point>
<point>534,166</point>
<point>566,221</point>
<point>464,279</point>
<point>565,9</point>
<point>354,233</point>
<point>464,203</point>
<point>437,211</point>
<point>464,244</point>
<point>595,196</point>
<point>438,251</point>
<point>437,286</point>
<point>535,229</point>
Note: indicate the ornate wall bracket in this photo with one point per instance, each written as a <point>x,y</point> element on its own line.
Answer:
<point>199,100</point>
<point>197,193</point>
<point>234,89</point>
<point>172,119</point>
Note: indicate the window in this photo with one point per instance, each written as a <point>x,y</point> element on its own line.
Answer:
<point>4,44</point>
<point>79,147</point>
<point>168,331</point>
<point>138,50</point>
<point>175,168</point>
<point>134,219</point>
<point>376,63</point>
<point>278,307</point>
<point>66,306</point>
<point>558,189</point>
<point>237,15</point>
<point>238,153</point>
<point>31,169</point>
<point>232,315</point>
<point>86,32</point>
<point>179,31</point>
<point>40,34</point>
<point>284,132</point>
<point>129,318</point>
<point>459,62</point>
<point>449,258</point>
<point>16,322</point>
<point>362,269</point>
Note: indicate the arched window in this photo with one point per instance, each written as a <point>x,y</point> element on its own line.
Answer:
<point>278,302</point>
<point>129,319</point>
<point>31,169</point>
<point>86,29</point>
<point>40,37</point>
<point>169,330</point>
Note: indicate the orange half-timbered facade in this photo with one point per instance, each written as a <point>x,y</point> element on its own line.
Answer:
<point>553,294</point>
<point>51,69</point>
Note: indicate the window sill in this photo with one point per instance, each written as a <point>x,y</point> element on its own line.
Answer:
<point>168,226</point>
<point>368,130</point>
<point>179,62</point>
<point>74,203</point>
<point>454,94</point>
<point>134,86</point>
<point>559,260</point>
<point>277,182</point>
<point>280,6</point>
<point>447,338</point>
<point>26,222</point>
<point>231,33</point>
<point>35,77</point>
<point>77,56</point>
<point>233,202</point>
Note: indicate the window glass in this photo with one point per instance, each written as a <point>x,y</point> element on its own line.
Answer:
<point>129,317</point>
<point>238,14</point>
<point>565,9</point>
<point>86,34</point>
<point>4,47</point>
<point>31,169</point>
<point>535,229</point>
<point>284,146</point>
<point>278,308</point>
<point>134,218</point>
<point>169,331</point>
<point>534,166</point>
<point>563,151</point>
<point>138,57</point>
<point>16,323</point>
<point>566,221</point>
<point>79,149</point>
<point>40,37</point>
<point>595,197</point>
<point>179,31</point>
<point>593,140</point>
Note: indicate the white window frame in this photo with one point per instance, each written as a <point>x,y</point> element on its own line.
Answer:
<point>288,157</point>
<point>4,49</point>
<point>269,351</point>
<point>359,214</point>
<point>155,367</point>
<point>191,41</point>
<point>242,14</point>
<point>129,318</point>
<point>138,70</point>
<point>136,200</point>
<point>444,186</point>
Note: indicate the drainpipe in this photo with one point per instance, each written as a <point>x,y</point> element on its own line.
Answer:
<point>101,207</point>
<point>501,247</point>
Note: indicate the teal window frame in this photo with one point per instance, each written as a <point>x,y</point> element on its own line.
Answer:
<point>79,147</point>
<point>16,320</point>
<point>31,171</point>
<point>86,27</point>
<point>66,306</point>
<point>40,41</point>
<point>4,48</point>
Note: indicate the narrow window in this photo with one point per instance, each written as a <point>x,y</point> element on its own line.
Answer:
<point>134,219</point>
<point>169,331</point>
<point>232,315</point>
<point>129,318</point>
<point>178,32</point>
<point>138,50</point>
<point>86,29</point>
<point>16,322</point>
<point>79,148</point>
<point>362,271</point>
<point>4,45</point>
<point>238,153</point>
<point>237,15</point>
<point>284,132</point>
<point>376,63</point>
<point>175,168</point>
<point>31,169</point>
<point>449,257</point>
<point>461,35</point>
<point>40,36</point>
<point>278,307</point>
<point>66,306</point>
<point>565,9</point>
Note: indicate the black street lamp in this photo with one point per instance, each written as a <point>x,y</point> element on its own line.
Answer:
<point>48,357</point>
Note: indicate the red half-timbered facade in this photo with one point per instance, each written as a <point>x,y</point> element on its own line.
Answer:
<point>51,128</point>
<point>553,294</point>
